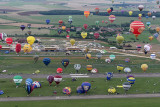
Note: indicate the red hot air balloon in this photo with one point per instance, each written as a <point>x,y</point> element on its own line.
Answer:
<point>18,47</point>
<point>60,22</point>
<point>106,22</point>
<point>0,47</point>
<point>96,35</point>
<point>96,10</point>
<point>57,79</point>
<point>112,18</point>
<point>9,41</point>
<point>50,79</point>
<point>102,21</point>
<point>137,27</point>
<point>67,36</point>
<point>85,26</point>
<point>59,70</point>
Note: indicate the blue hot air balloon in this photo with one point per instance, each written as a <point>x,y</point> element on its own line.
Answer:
<point>29,89</point>
<point>46,61</point>
<point>79,90</point>
<point>65,62</point>
<point>147,17</point>
<point>1,92</point>
<point>47,21</point>
<point>36,84</point>
<point>109,76</point>
<point>22,27</point>
<point>156,35</point>
<point>29,81</point>
<point>86,86</point>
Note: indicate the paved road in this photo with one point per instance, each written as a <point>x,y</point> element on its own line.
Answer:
<point>79,97</point>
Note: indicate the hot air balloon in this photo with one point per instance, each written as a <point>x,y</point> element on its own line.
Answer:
<point>102,21</point>
<point>67,36</point>
<point>153,17</point>
<point>153,56</point>
<point>36,84</point>
<point>126,86</point>
<point>22,27</point>
<point>109,76</point>
<point>46,61</point>
<point>86,14</point>
<point>86,86</point>
<point>79,90</point>
<point>127,60</point>
<point>59,70</point>
<point>59,31</point>
<point>130,13</point>
<point>144,67</point>
<point>150,38</point>
<point>0,47</point>
<point>112,90</point>
<point>88,56</point>
<point>35,57</point>
<point>147,48</point>
<point>156,35</point>
<point>9,41</point>
<point>157,29</point>
<point>120,67</point>
<point>47,21</point>
<point>97,22</point>
<point>77,67</point>
<point>84,35</point>
<point>112,57</point>
<point>30,40</point>
<point>29,32</point>
<point>127,70</point>
<point>3,36</point>
<point>29,89</point>
<point>120,39</point>
<point>1,92</point>
<point>17,80</point>
<point>137,27</point>
<point>63,27</point>
<point>99,55</point>
<point>138,47</point>
<point>120,8</point>
<point>112,18</point>
<point>96,35</point>
<point>131,80</point>
<point>140,7</point>
<point>65,62</point>
<point>106,22</point>
<point>72,41</point>
<point>147,17</point>
<point>57,79</point>
<point>70,21</point>
<point>67,90</point>
<point>60,23</point>
<point>96,10</point>
<point>89,67</point>
<point>27,48</point>
<point>109,10</point>
<point>148,23</point>
<point>85,26</point>
<point>29,26</point>
<point>50,79</point>
<point>94,71</point>
<point>149,13</point>
<point>18,47</point>
<point>107,60</point>
<point>28,81</point>
<point>139,16</point>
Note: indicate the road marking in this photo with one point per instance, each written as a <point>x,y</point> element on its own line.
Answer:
<point>79,76</point>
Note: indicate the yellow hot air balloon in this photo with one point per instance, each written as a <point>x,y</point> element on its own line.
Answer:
<point>144,67</point>
<point>120,68</point>
<point>157,29</point>
<point>72,41</point>
<point>63,27</point>
<point>84,35</point>
<point>27,48</point>
<point>112,90</point>
<point>150,38</point>
<point>120,39</point>
<point>88,56</point>
<point>140,15</point>
<point>89,67</point>
<point>37,72</point>
<point>120,8</point>
<point>30,40</point>
<point>130,13</point>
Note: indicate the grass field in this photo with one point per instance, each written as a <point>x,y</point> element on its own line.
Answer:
<point>25,64</point>
<point>99,86</point>
<point>118,102</point>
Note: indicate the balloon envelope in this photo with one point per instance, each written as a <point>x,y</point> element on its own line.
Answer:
<point>86,86</point>
<point>65,62</point>
<point>46,61</point>
<point>30,40</point>
<point>17,79</point>
<point>29,81</point>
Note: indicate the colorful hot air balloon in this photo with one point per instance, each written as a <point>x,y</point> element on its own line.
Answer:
<point>97,22</point>
<point>109,76</point>
<point>3,36</point>
<point>96,35</point>
<point>102,21</point>
<point>112,18</point>
<point>22,27</point>
<point>72,41</point>
<point>60,23</point>
<point>137,27</point>
<point>120,39</point>
<point>9,41</point>
<point>130,13</point>
<point>65,62</point>
<point>149,13</point>
<point>28,81</point>
<point>79,90</point>
<point>131,80</point>
<point>86,86</point>
<point>46,61</point>
<point>50,79</point>
<point>86,14</point>
<point>85,26</point>
<point>106,22</point>
<point>144,67</point>
<point>57,79</point>
<point>36,84</point>
<point>47,21</point>
<point>94,71</point>
<point>148,23</point>
<point>27,48</point>
<point>18,47</point>
<point>112,57</point>
<point>138,47</point>
<point>156,35</point>
<point>112,90</point>
<point>59,70</point>
<point>120,68</point>
<point>109,10</point>
<point>63,27</point>
<point>89,67</point>
<point>17,80</point>
<point>127,60</point>
<point>96,10</point>
<point>67,36</point>
<point>84,35</point>
<point>88,56</point>
<point>29,89</point>
<point>157,29</point>
<point>107,60</point>
<point>30,40</point>
<point>140,7</point>
<point>67,90</point>
<point>150,38</point>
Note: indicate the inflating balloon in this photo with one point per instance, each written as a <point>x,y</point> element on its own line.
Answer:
<point>57,79</point>
<point>27,48</point>
<point>99,55</point>
<point>107,60</point>
<point>120,68</point>
<point>86,86</point>
<point>18,47</point>
<point>112,90</point>
<point>127,60</point>
<point>140,7</point>
<point>30,40</point>
<point>29,89</point>
<point>79,90</point>
<point>3,36</point>
<point>130,13</point>
<point>47,21</point>
<point>89,67</point>
<point>28,81</point>
<point>153,56</point>
<point>29,26</point>
<point>96,35</point>
<point>153,17</point>
<point>144,67</point>
<point>63,27</point>
<point>77,67</point>
<point>138,47</point>
<point>150,38</point>
<point>9,41</point>
<point>112,57</point>
<point>67,90</point>
<point>46,61</point>
<point>50,79</point>
<point>109,10</point>
<point>36,84</point>
<point>156,35</point>
<point>85,26</point>
<point>94,71</point>
<point>112,18</point>
<point>131,80</point>
<point>65,62</point>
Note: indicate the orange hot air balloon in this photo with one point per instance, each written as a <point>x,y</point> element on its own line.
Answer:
<point>112,18</point>
<point>96,10</point>
<point>150,38</point>
<point>63,27</point>
<point>149,13</point>
<point>86,13</point>
<point>137,27</point>
<point>157,29</point>
<point>109,10</point>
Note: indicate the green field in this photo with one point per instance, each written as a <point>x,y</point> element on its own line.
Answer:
<point>26,65</point>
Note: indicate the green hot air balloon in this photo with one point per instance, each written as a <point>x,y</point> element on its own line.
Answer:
<point>97,22</point>
<point>17,80</point>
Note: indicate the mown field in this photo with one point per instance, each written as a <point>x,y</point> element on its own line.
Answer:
<point>25,65</point>
<point>118,102</point>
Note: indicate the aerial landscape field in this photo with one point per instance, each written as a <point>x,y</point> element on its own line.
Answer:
<point>79,53</point>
